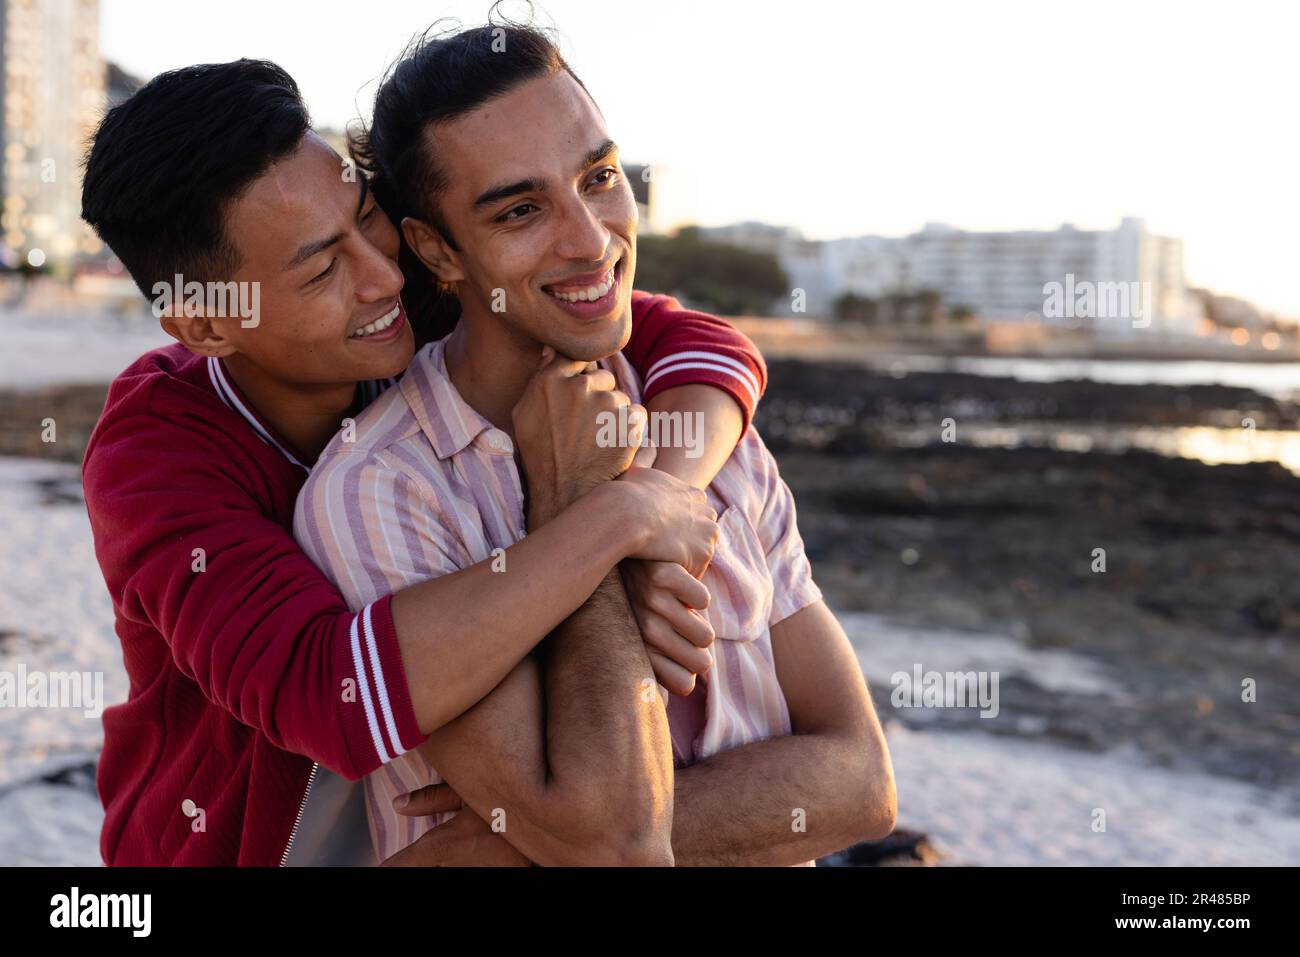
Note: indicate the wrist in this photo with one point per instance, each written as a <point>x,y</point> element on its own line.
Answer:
<point>619,506</point>
<point>549,500</point>
<point>542,507</point>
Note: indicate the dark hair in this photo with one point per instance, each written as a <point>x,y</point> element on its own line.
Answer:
<point>444,73</point>
<point>165,164</point>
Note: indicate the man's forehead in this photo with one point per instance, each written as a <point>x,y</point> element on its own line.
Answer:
<point>548,120</point>
<point>297,180</point>
<point>299,196</point>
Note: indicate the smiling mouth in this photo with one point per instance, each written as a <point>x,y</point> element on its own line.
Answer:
<point>591,293</point>
<point>379,325</point>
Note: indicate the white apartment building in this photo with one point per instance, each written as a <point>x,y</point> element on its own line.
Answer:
<point>999,275</point>
<point>52,95</point>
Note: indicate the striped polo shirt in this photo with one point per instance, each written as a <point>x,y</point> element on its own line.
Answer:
<point>427,486</point>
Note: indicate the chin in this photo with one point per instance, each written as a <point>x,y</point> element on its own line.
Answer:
<point>395,359</point>
<point>591,345</point>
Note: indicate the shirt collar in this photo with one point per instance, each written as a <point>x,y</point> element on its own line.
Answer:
<point>452,424</point>
<point>449,422</point>
<point>229,393</point>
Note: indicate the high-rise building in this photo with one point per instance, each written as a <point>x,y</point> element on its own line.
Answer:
<point>1003,274</point>
<point>52,89</point>
<point>998,275</point>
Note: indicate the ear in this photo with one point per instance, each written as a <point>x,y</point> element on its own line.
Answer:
<point>197,333</point>
<point>432,250</point>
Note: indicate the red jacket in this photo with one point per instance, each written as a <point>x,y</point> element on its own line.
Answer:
<point>237,648</point>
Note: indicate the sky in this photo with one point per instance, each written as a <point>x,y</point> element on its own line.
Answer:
<point>866,118</point>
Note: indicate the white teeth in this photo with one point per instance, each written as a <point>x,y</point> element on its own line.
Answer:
<point>379,325</point>
<point>591,293</point>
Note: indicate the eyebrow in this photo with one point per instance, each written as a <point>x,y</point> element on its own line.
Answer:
<point>498,193</point>
<point>307,250</point>
<point>534,184</point>
<point>599,153</point>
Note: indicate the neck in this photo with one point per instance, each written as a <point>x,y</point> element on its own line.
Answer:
<point>490,366</point>
<point>306,417</point>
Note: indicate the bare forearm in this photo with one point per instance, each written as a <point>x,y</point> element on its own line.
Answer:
<point>460,634</point>
<point>600,721</point>
<point>582,770</point>
<point>606,728</point>
<point>777,803</point>
<point>711,425</point>
<point>789,800</point>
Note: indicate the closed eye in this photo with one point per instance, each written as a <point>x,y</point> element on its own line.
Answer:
<point>325,274</point>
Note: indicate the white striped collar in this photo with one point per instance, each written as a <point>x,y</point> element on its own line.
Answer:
<point>227,393</point>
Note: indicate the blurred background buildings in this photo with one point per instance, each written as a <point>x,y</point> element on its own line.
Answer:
<point>55,85</point>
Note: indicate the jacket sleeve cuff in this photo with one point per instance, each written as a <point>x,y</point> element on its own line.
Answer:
<point>378,717</point>
<point>732,375</point>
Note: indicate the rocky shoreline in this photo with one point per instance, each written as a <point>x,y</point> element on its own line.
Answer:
<point>1198,591</point>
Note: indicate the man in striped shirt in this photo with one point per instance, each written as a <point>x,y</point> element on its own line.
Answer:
<point>779,756</point>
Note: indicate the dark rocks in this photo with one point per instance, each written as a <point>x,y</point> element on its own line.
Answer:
<point>831,394</point>
<point>1201,582</point>
<point>74,408</point>
<point>79,776</point>
<point>903,848</point>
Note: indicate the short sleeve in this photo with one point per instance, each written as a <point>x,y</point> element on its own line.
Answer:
<point>778,532</point>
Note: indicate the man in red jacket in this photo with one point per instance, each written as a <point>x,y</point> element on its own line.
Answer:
<point>247,669</point>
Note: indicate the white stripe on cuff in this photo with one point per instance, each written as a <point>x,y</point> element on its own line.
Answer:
<point>702,365</point>
<point>366,703</point>
<point>381,687</point>
<point>742,371</point>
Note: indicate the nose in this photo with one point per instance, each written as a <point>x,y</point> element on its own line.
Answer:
<point>378,275</point>
<point>582,234</point>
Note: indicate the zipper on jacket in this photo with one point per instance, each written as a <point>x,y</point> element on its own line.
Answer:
<point>311,779</point>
